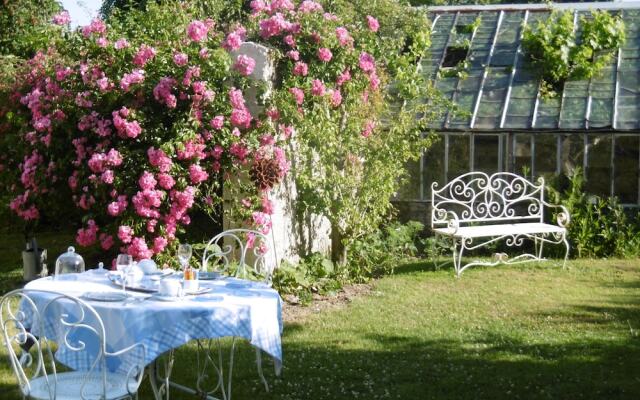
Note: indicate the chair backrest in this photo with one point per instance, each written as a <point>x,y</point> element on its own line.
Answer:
<point>476,197</point>
<point>240,253</point>
<point>31,321</point>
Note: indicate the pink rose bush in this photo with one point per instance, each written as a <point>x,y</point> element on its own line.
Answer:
<point>136,146</point>
<point>136,133</point>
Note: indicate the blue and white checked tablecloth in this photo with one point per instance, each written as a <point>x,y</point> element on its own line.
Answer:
<point>234,307</point>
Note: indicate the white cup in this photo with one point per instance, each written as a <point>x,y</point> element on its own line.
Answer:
<point>190,285</point>
<point>170,288</point>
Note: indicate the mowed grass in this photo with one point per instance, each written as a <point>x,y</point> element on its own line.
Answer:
<point>533,331</point>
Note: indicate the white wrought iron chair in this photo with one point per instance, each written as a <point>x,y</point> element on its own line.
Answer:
<point>244,246</point>
<point>237,253</point>
<point>35,323</point>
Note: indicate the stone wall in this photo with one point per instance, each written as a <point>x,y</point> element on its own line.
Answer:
<point>292,234</point>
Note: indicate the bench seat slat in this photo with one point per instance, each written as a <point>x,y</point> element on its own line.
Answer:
<point>499,230</point>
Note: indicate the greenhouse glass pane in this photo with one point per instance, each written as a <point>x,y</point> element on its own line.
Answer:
<point>626,168</point>
<point>486,157</point>
<point>410,190</point>
<point>458,156</point>
<point>572,155</point>
<point>545,155</point>
<point>598,171</point>
<point>522,155</point>
<point>434,166</point>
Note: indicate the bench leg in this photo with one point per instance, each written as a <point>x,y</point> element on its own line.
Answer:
<point>566,254</point>
<point>457,256</point>
<point>539,247</point>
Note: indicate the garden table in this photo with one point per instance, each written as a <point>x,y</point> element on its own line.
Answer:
<point>233,307</point>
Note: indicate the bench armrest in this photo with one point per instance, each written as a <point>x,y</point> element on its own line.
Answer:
<point>450,217</point>
<point>563,218</point>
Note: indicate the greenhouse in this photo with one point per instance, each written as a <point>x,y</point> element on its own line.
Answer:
<point>504,123</point>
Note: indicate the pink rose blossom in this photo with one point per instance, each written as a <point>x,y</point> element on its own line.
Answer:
<point>258,6</point>
<point>336,98</point>
<point>232,41</point>
<point>267,205</point>
<point>166,181</point>
<point>317,87</point>
<point>102,42</point>
<point>144,55</point>
<point>197,174</point>
<point>324,54</point>
<point>138,249</point>
<point>147,181</point>
<point>236,99</point>
<point>241,118</point>
<point>180,59</point>
<point>374,81</point>
<point>96,26</point>
<point>159,159</point>
<point>244,65</point>
<point>344,38</point>
<point>293,54</point>
<point>345,76</point>
<point>367,63</point>
<point>62,18</point>
<point>159,244</point>
<point>88,236</point>
<point>273,26</point>
<point>217,122</point>
<point>203,53</point>
<point>300,69</point>
<point>121,43</point>
<point>107,176</point>
<point>106,241</point>
<point>239,150</point>
<point>197,31</point>
<point>308,6</point>
<point>368,129</point>
<point>373,23</point>
<point>136,76</point>
<point>330,17</point>
<point>289,40</point>
<point>298,95</point>
<point>162,92</point>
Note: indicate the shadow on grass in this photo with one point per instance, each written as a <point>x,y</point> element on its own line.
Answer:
<point>409,368</point>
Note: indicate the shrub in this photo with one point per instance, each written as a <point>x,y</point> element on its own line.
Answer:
<point>600,227</point>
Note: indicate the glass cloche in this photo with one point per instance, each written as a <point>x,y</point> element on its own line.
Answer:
<point>69,262</point>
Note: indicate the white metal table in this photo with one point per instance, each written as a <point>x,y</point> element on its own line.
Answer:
<point>233,308</point>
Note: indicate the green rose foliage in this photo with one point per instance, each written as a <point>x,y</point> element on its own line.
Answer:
<point>351,156</point>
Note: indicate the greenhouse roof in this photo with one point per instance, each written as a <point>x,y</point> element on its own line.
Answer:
<point>502,92</point>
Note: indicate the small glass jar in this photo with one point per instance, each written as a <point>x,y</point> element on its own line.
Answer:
<point>69,262</point>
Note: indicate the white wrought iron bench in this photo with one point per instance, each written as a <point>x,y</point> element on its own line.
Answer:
<point>475,209</point>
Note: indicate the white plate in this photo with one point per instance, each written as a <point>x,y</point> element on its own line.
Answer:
<point>105,296</point>
<point>164,272</point>
<point>167,298</point>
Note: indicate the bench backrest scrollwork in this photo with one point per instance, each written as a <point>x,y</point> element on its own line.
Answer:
<point>477,197</point>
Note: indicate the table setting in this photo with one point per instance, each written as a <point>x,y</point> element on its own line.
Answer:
<point>164,309</point>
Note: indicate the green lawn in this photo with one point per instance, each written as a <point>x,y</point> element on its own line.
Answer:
<point>531,331</point>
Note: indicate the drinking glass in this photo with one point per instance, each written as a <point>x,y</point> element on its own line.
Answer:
<point>123,265</point>
<point>184,254</point>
